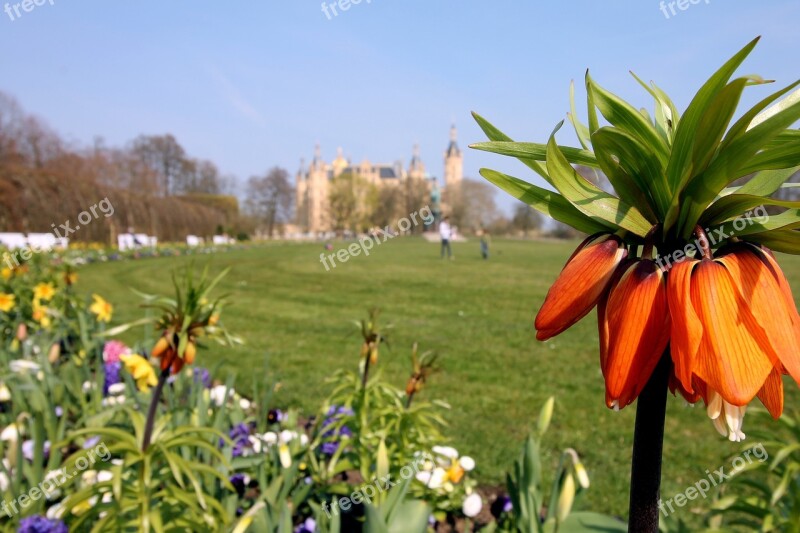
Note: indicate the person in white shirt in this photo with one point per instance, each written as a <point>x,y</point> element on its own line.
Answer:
<point>446,232</point>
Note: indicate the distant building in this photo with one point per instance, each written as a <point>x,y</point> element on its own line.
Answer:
<point>313,183</point>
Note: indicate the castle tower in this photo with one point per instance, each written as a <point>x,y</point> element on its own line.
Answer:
<point>340,163</point>
<point>453,162</point>
<point>317,187</point>
<point>416,169</point>
<point>301,196</point>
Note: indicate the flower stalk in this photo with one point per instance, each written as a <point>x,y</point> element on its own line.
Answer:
<point>151,412</point>
<point>648,443</point>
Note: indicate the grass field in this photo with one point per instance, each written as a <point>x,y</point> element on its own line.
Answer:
<point>297,321</point>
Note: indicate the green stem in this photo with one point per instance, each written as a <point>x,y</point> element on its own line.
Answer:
<point>38,455</point>
<point>151,413</point>
<point>648,443</point>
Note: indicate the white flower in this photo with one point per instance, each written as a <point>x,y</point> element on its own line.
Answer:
<point>472,505</point>
<point>55,512</point>
<point>116,389</point>
<point>5,394</point>
<point>4,482</point>
<point>21,366</point>
<point>89,477</point>
<point>467,463</point>
<point>113,400</point>
<point>104,475</point>
<point>10,433</point>
<point>287,436</point>
<point>52,480</point>
<point>244,403</point>
<point>220,394</point>
<point>434,479</point>
<point>270,438</point>
<point>87,386</point>
<point>304,439</point>
<point>446,451</point>
<point>255,444</point>
<point>285,456</point>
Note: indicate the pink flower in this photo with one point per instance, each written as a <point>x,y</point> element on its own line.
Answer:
<point>112,350</point>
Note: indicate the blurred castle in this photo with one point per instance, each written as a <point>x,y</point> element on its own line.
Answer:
<point>313,183</point>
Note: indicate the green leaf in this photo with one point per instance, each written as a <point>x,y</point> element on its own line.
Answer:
<point>786,241</point>
<point>728,164</point>
<point>581,130</point>
<point>495,134</point>
<point>536,151</point>
<point>666,113</point>
<point>738,205</point>
<point>788,220</point>
<point>590,522</point>
<point>747,120</point>
<point>714,123</point>
<point>779,157</point>
<point>548,202</point>
<point>767,182</point>
<point>590,200</point>
<point>635,173</point>
<point>680,168</point>
<point>624,116</point>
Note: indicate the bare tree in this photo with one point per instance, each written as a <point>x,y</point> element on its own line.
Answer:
<point>526,219</point>
<point>270,198</point>
<point>166,157</point>
<point>472,204</point>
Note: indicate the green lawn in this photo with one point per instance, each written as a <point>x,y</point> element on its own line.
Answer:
<point>297,320</point>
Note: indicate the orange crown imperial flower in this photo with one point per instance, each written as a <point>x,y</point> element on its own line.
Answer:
<point>578,289</point>
<point>718,311</point>
<point>736,331</point>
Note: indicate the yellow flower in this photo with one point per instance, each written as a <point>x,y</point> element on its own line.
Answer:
<point>6,273</point>
<point>141,370</point>
<point>44,291</point>
<point>101,308</point>
<point>70,278</point>
<point>40,315</point>
<point>7,302</point>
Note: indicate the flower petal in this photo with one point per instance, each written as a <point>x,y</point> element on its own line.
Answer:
<point>735,355</point>
<point>771,394</point>
<point>580,285</point>
<point>638,331</point>
<point>758,285</point>
<point>687,331</point>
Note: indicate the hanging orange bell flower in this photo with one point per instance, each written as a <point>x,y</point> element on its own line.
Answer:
<point>581,284</point>
<point>634,327</point>
<point>735,330</point>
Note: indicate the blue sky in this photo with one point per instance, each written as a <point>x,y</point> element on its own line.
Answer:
<point>253,84</point>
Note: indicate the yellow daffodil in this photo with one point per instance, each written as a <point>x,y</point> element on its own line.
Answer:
<point>44,292</point>
<point>101,308</point>
<point>6,273</point>
<point>7,302</point>
<point>141,370</point>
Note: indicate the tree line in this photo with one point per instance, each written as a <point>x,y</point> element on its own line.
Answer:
<point>153,184</point>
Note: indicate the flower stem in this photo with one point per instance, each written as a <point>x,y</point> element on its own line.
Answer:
<point>648,442</point>
<point>151,412</point>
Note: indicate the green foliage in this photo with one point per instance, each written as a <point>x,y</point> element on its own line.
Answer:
<point>666,169</point>
<point>530,513</point>
<point>397,513</point>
